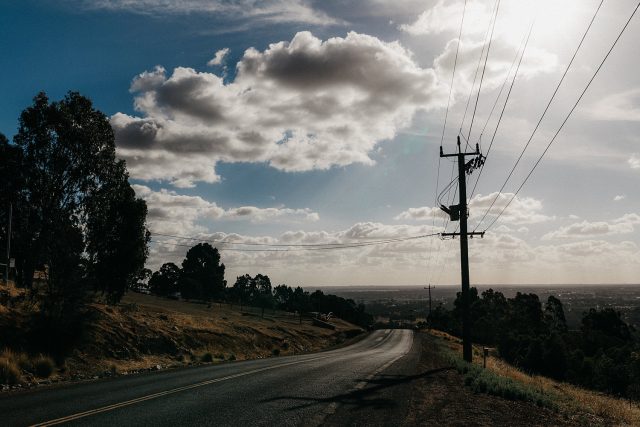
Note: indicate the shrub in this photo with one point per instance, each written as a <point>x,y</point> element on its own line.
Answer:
<point>207,357</point>
<point>43,366</point>
<point>232,356</point>
<point>9,372</point>
<point>275,352</point>
<point>220,356</point>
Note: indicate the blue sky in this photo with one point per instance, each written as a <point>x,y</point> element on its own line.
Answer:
<point>322,122</point>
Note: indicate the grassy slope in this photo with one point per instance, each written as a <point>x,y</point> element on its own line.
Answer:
<point>144,331</point>
<point>573,403</point>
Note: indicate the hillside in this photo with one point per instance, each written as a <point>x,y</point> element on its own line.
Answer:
<point>146,332</point>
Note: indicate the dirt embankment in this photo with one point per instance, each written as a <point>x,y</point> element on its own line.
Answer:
<point>145,332</point>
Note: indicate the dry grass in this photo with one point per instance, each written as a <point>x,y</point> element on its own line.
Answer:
<point>572,400</point>
<point>146,331</point>
<point>9,372</point>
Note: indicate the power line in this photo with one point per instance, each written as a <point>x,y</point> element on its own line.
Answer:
<point>475,76</point>
<point>327,246</point>
<point>484,68</point>
<point>229,242</point>
<point>525,41</point>
<point>453,74</point>
<point>568,115</point>
<point>575,53</point>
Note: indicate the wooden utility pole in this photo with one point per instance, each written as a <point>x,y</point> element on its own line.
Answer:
<point>429,288</point>
<point>8,259</point>
<point>460,212</point>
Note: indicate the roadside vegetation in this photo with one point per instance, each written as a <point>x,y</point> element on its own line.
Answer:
<point>602,355</point>
<point>574,403</point>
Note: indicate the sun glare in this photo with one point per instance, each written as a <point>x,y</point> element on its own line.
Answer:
<point>553,18</point>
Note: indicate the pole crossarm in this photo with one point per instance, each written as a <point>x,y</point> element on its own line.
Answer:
<point>473,233</point>
<point>472,153</point>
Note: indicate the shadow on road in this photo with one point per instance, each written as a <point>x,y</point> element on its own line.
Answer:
<point>372,395</point>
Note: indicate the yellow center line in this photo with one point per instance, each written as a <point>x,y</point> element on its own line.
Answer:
<point>164,393</point>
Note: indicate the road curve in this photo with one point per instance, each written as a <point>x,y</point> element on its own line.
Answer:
<point>292,390</point>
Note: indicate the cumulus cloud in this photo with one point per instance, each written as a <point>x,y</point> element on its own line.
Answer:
<point>219,57</point>
<point>619,197</point>
<point>172,213</point>
<point>299,105</point>
<point>623,225</point>
<point>523,210</point>
<point>446,16</point>
<point>271,11</point>
<point>423,213</point>
<point>255,214</point>
<point>623,106</point>
<point>634,161</point>
<point>499,64</point>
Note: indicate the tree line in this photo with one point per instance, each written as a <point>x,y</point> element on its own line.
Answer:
<point>201,277</point>
<point>75,218</point>
<point>603,354</point>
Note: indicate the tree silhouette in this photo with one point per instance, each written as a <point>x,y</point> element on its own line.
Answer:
<point>202,273</point>
<point>165,281</point>
<point>76,212</point>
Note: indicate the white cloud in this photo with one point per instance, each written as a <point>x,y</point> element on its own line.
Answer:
<point>523,210</point>
<point>623,106</point>
<point>619,197</point>
<point>423,214</point>
<point>300,105</point>
<point>623,225</point>
<point>218,57</point>
<point>255,214</point>
<point>172,213</point>
<point>634,161</point>
<point>446,16</point>
<point>499,64</point>
<point>271,11</point>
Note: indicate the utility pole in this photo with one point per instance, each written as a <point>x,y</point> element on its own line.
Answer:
<point>8,260</point>
<point>460,212</point>
<point>429,288</point>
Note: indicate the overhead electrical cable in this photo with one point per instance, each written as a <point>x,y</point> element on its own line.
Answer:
<point>230,242</point>
<point>484,69</point>
<point>543,113</point>
<point>475,76</point>
<point>297,248</point>
<point>519,53</point>
<point>568,116</point>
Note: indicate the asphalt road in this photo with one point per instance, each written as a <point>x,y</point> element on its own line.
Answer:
<point>360,384</point>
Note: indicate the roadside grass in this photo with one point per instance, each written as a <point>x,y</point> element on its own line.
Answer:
<point>487,381</point>
<point>14,365</point>
<point>9,372</point>
<point>589,406</point>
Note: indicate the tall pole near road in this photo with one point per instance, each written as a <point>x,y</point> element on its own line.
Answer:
<point>8,260</point>
<point>429,288</point>
<point>460,212</point>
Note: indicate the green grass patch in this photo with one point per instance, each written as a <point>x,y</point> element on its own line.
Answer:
<point>485,381</point>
